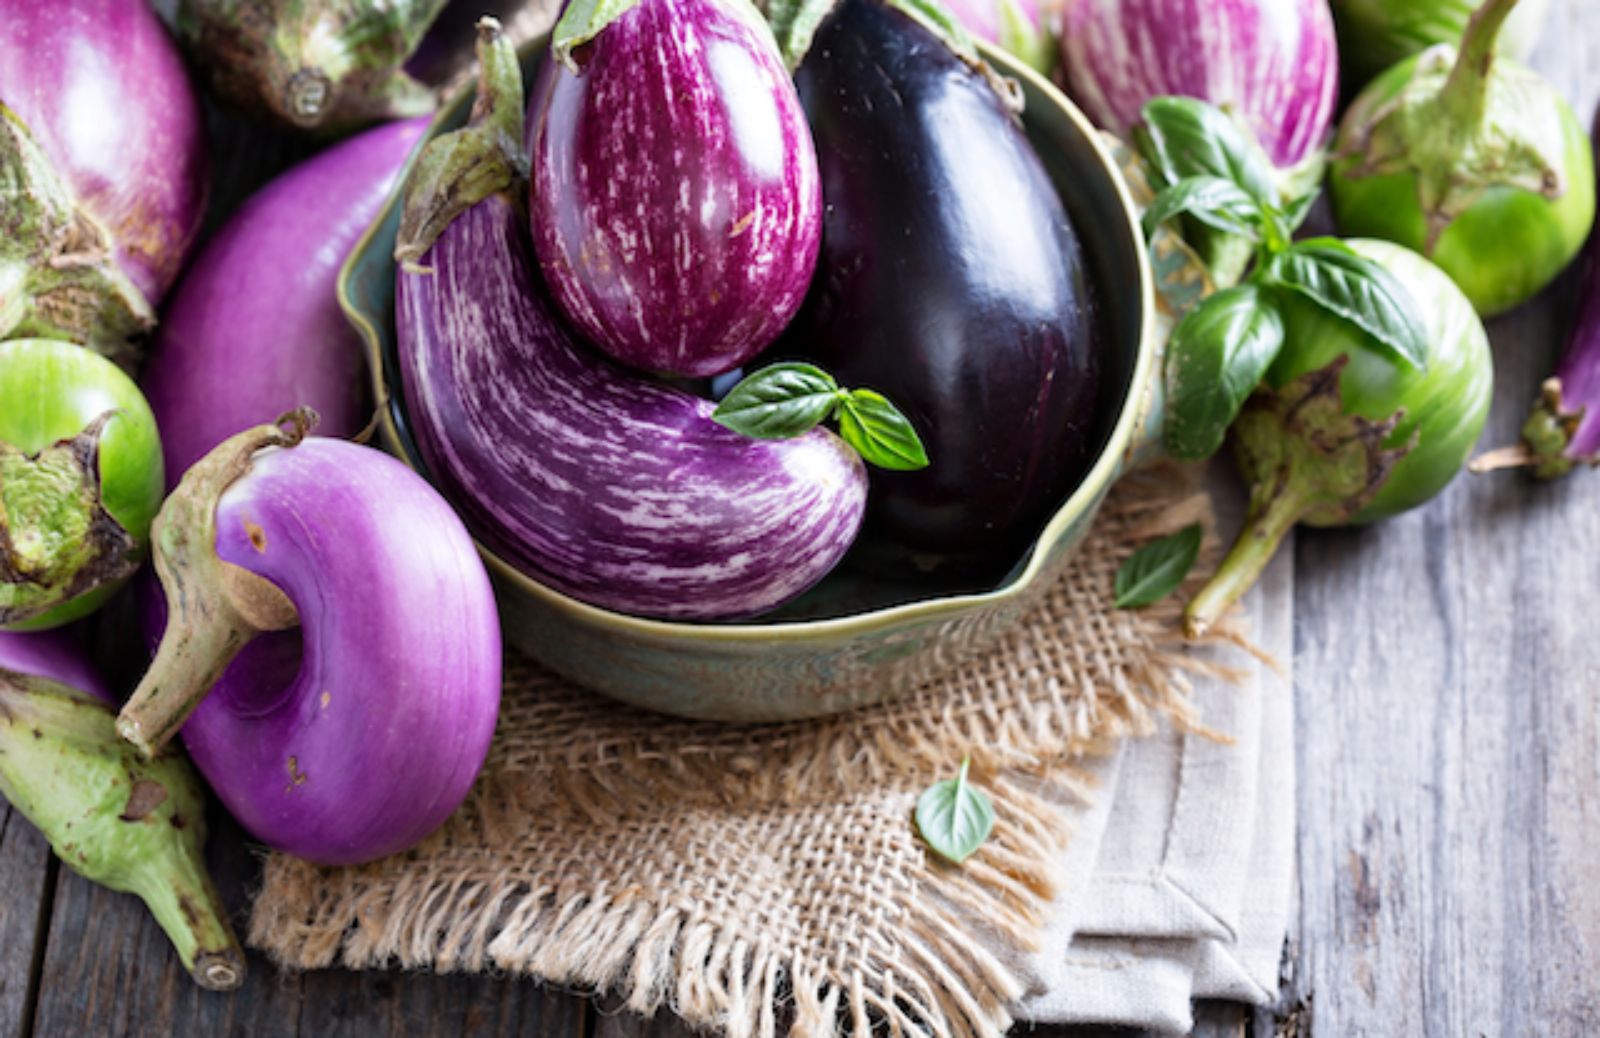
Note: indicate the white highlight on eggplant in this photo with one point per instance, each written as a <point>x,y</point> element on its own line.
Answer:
<point>757,125</point>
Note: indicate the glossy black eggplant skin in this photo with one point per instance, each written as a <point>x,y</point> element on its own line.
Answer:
<point>952,281</point>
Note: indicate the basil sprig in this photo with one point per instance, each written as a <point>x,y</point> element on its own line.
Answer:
<point>782,401</point>
<point>1209,171</point>
<point>954,817</point>
<point>1157,569</point>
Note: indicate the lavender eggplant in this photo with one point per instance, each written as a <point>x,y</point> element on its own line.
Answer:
<point>102,154</point>
<point>1563,429</point>
<point>375,738</point>
<point>1274,63</point>
<point>129,824</point>
<point>606,486</point>
<point>675,201</point>
<point>225,359</point>
<point>1022,27</point>
<point>950,280</point>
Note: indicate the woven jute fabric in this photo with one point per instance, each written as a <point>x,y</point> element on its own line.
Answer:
<point>763,880</point>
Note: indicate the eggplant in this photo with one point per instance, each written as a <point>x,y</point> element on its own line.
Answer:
<point>254,328</point>
<point>364,742</point>
<point>129,824</point>
<point>952,281</point>
<point>606,486</point>
<point>675,203</point>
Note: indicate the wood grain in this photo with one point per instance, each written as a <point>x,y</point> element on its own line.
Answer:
<point>24,882</point>
<point>1446,668</point>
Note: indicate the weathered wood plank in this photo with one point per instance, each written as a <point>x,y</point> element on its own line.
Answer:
<point>24,882</point>
<point>353,1005</point>
<point>1446,669</point>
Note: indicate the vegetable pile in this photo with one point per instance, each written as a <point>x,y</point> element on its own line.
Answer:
<point>726,299</point>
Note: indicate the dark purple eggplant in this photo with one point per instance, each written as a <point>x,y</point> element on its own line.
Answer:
<point>609,487</point>
<point>675,204</point>
<point>950,280</point>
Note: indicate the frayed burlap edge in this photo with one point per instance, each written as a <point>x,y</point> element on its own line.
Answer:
<point>958,961</point>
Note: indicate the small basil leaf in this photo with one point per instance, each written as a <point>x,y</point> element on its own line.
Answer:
<point>1156,570</point>
<point>1213,201</point>
<point>1215,359</point>
<point>1331,275</point>
<point>954,817</point>
<point>1295,213</point>
<point>779,402</point>
<point>1184,137</point>
<point>883,436</point>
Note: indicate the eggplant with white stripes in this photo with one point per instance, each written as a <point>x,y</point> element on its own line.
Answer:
<point>604,485</point>
<point>952,281</point>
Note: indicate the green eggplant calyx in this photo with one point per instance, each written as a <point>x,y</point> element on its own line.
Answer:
<point>1546,440</point>
<point>214,608</point>
<point>580,23</point>
<point>135,826</point>
<point>57,541</point>
<point>321,66</point>
<point>1303,457</point>
<point>1464,123</point>
<point>458,170</point>
<point>58,277</point>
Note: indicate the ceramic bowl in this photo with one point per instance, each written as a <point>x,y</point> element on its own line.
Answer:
<point>853,640</point>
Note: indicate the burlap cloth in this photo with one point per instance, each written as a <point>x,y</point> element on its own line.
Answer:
<point>767,879</point>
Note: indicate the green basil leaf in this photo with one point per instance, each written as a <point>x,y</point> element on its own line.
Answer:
<point>876,428</point>
<point>1184,137</point>
<point>1330,274</point>
<point>1295,213</point>
<point>1215,359</point>
<point>1157,570</point>
<point>1213,201</point>
<point>779,402</point>
<point>954,817</point>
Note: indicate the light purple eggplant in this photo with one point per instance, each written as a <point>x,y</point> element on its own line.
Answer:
<point>254,329</point>
<point>606,486</point>
<point>55,655</point>
<point>1021,27</point>
<point>102,88</point>
<point>1274,62</point>
<point>369,744</point>
<point>676,206</point>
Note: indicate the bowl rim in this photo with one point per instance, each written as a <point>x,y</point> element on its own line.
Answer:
<point>1099,476</point>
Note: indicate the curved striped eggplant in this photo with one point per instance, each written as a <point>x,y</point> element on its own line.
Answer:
<point>227,357</point>
<point>675,207</point>
<point>1273,62</point>
<point>132,825</point>
<point>366,743</point>
<point>951,281</point>
<point>606,486</point>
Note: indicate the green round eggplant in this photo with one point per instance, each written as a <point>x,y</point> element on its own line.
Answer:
<point>1375,34</point>
<point>80,481</point>
<point>1443,406</point>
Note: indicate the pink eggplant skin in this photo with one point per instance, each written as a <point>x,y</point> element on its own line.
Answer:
<point>676,207</point>
<point>254,328</point>
<point>386,723</point>
<point>54,655</point>
<point>606,486</point>
<point>102,87</point>
<point>1275,62</point>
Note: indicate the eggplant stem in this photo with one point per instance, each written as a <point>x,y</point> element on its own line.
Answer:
<point>1516,456</point>
<point>1465,95</point>
<point>1273,513</point>
<point>184,902</point>
<point>214,608</point>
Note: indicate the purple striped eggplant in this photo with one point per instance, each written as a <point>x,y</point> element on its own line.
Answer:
<point>132,825</point>
<point>606,486</point>
<point>101,218</point>
<point>675,201</point>
<point>364,742</point>
<point>1273,62</point>
<point>952,281</point>
<point>1022,27</point>
<point>228,357</point>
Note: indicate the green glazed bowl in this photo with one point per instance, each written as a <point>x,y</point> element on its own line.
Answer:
<point>852,640</point>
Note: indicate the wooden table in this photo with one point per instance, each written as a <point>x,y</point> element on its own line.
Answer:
<point>1447,674</point>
